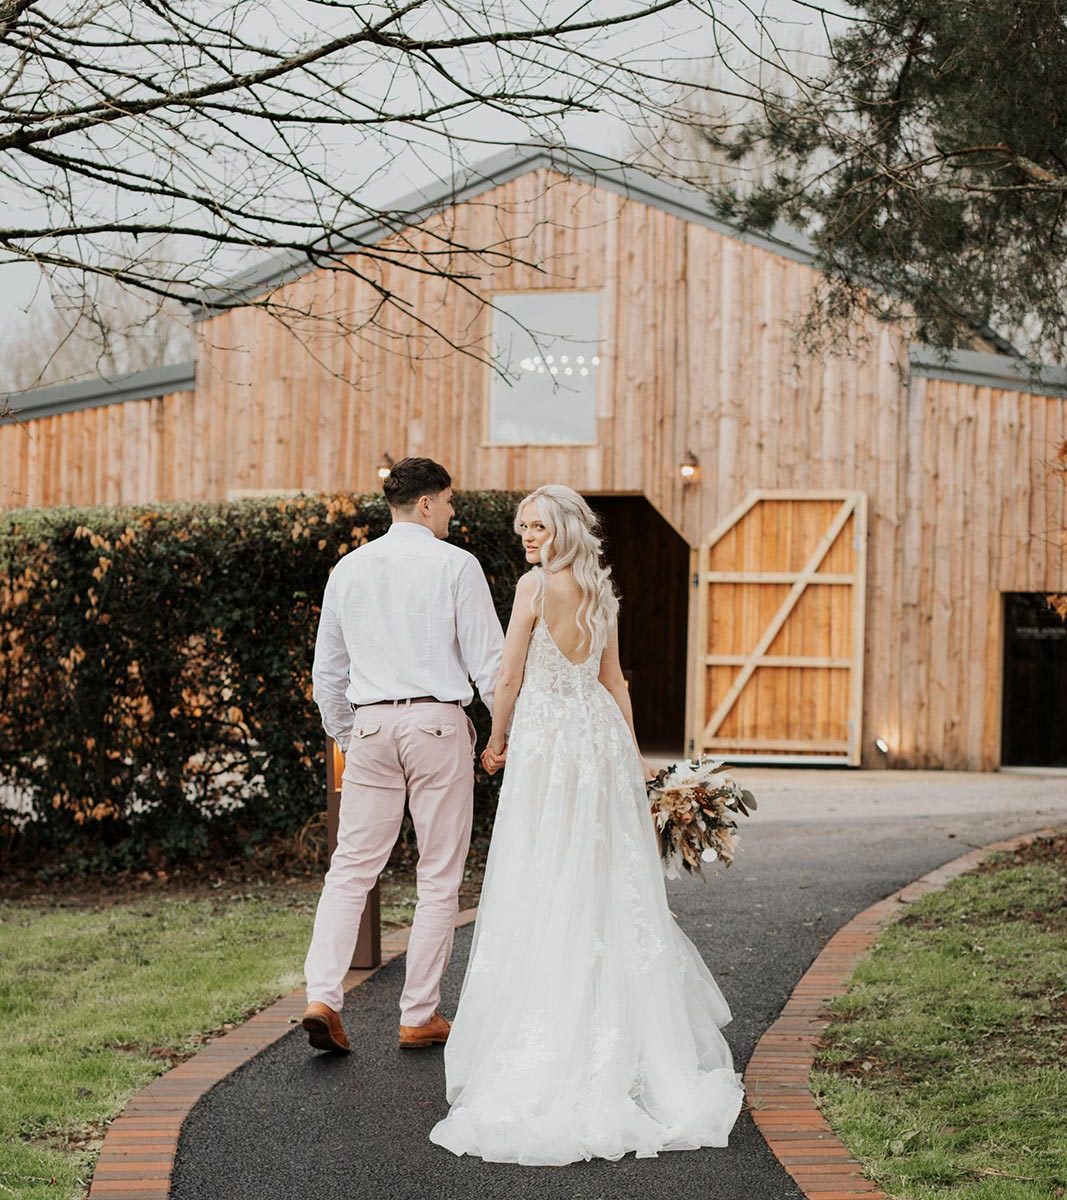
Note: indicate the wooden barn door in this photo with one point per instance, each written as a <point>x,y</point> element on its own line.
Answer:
<point>777,636</point>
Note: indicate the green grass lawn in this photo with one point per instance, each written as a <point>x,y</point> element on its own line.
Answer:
<point>945,1070</point>
<point>97,999</point>
<point>94,1004</point>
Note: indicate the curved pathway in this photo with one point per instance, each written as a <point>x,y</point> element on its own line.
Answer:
<point>825,846</point>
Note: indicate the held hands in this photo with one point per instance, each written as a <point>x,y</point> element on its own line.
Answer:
<point>493,757</point>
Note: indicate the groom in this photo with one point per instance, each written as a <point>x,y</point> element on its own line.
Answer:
<point>407,620</point>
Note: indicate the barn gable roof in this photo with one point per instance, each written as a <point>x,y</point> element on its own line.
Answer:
<point>1005,370</point>
<point>686,202</point>
<point>681,200</point>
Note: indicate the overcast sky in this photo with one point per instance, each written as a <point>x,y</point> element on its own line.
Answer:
<point>673,41</point>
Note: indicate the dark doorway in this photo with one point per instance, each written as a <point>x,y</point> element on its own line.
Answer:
<point>1034,729</point>
<point>650,564</point>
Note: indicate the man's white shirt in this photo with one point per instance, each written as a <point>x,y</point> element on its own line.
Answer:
<point>404,615</point>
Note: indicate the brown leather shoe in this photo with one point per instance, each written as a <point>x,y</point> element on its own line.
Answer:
<point>433,1033</point>
<point>324,1028</point>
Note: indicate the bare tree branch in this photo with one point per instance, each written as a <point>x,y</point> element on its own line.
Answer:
<point>240,130</point>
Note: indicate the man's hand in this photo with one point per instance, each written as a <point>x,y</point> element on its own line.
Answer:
<point>493,758</point>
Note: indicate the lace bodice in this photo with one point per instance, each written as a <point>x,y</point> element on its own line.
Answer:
<point>564,703</point>
<point>548,668</point>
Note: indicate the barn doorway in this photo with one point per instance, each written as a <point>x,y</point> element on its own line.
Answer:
<point>1034,710</point>
<point>778,630</point>
<point>650,563</point>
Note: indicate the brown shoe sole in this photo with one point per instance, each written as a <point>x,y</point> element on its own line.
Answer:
<point>418,1043</point>
<point>320,1037</point>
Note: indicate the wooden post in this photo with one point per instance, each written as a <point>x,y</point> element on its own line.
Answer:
<point>369,940</point>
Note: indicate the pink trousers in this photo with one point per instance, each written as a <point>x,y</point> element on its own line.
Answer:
<point>424,754</point>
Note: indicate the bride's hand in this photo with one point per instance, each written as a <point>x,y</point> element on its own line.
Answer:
<point>649,770</point>
<point>493,759</point>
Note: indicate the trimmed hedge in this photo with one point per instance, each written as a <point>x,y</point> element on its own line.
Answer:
<point>155,669</point>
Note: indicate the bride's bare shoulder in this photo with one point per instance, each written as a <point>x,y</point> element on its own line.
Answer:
<point>526,590</point>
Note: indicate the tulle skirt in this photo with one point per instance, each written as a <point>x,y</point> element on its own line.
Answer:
<point>588,1024</point>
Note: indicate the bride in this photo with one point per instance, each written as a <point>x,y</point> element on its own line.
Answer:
<point>588,1025</point>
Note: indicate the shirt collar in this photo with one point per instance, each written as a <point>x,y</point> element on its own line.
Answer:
<point>404,527</point>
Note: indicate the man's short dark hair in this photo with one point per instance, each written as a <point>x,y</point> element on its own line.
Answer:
<point>411,478</point>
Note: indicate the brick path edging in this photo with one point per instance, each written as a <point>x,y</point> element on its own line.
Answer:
<point>137,1156</point>
<point>777,1075</point>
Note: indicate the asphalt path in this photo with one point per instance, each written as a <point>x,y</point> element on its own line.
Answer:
<point>293,1124</point>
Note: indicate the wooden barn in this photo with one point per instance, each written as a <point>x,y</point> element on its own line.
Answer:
<point>822,559</point>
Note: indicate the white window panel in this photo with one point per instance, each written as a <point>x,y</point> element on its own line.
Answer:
<point>547,344</point>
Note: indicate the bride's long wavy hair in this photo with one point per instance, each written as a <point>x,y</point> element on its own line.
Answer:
<point>574,541</point>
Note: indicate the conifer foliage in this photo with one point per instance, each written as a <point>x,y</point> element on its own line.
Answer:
<point>928,164</point>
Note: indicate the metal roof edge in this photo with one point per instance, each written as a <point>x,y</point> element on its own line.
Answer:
<point>683,200</point>
<point>984,370</point>
<point>633,182</point>
<point>94,393</point>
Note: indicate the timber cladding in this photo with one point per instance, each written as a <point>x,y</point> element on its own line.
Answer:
<point>698,355</point>
<point>132,452</point>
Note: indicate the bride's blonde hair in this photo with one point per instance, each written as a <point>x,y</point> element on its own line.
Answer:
<point>574,541</point>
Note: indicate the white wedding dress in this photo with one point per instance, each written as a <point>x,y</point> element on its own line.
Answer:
<point>588,1025</point>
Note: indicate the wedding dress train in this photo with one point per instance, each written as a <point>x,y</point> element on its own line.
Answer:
<point>588,1024</point>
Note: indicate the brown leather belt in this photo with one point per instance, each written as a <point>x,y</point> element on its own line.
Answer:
<point>408,700</point>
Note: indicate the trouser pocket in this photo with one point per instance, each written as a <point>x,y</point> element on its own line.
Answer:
<point>439,729</point>
<point>369,754</point>
<point>448,731</point>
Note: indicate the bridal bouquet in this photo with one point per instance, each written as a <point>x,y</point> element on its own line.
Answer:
<point>693,808</point>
